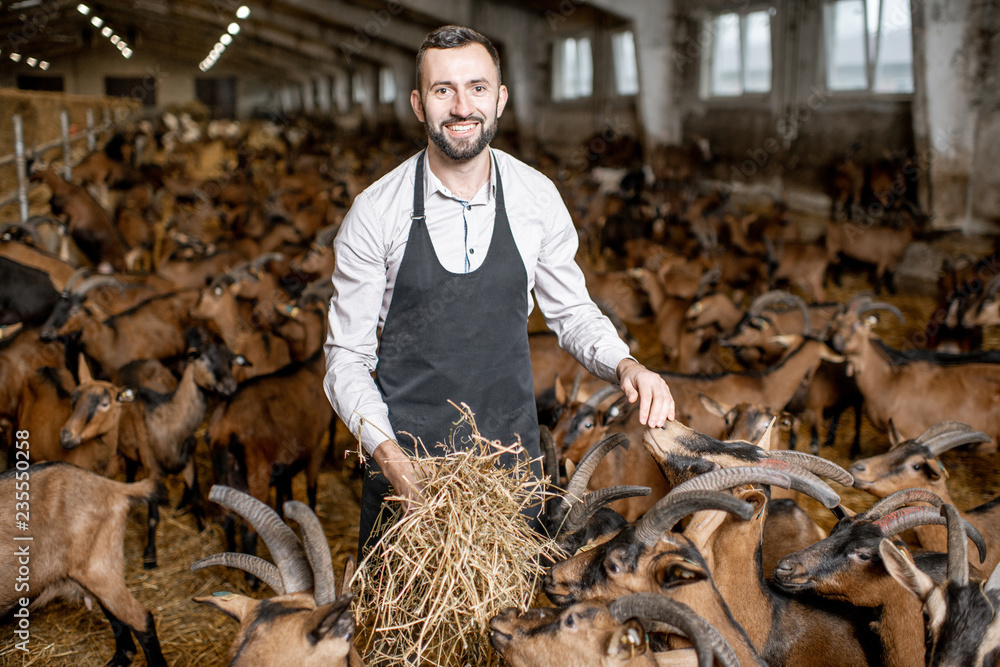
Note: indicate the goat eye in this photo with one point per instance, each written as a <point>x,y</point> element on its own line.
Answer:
<point>613,567</point>
<point>916,466</point>
<point>862,556</point>
<point>570,621</point>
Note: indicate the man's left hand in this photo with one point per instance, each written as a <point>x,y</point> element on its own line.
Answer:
<point>656,405</point>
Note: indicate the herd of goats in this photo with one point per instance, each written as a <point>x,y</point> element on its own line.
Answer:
<point>152,303</point>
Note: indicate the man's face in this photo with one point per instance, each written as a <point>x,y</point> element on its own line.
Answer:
<point>460,101</point>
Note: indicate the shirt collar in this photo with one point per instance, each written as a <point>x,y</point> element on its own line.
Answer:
<point>433,185</point>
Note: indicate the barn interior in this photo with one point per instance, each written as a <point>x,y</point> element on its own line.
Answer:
<point>837,153</point>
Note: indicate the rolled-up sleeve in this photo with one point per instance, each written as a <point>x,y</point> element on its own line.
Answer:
<point>561,292</point>
<point>359,284</point>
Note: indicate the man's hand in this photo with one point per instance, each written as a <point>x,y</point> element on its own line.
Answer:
<point>398,469</point>
<point>656,405</point>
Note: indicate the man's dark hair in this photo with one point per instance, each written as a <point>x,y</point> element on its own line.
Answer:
<point>453,37</point>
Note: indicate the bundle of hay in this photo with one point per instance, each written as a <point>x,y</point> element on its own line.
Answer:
<point>426,593</point>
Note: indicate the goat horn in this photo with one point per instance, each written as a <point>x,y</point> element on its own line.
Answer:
<point>321,290</point>
<point>993,583</point>
<point>959,434</point>
<point>880,305</point>
<point>76,275</point>
<point>910,517</point>
<point>585,508</point>
<point>223,279</point>
<point>600,395</point>
<point>258,567</point>
<point>317,551</point>
<point>673,507</point>
<point>97,281</point>
<point>727,478</point>
<point>324,237</point>
<point>707,641</point>
<point>588,463</point>
<point>575,388</point>
<point>707,280</point>
<point>894,501</point>
<point>814,464</point>
<point>958,551</point>
<point>768,300</point>
<point>260,261</point>
<point>550,458</point>
<point>285,548</point>
<point>805,482</point>
<point>32,232</point>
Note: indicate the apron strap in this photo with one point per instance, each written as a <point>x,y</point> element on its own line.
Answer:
<point>418,190</point>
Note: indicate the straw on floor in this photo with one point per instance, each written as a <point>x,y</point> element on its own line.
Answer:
<point>426,593</point>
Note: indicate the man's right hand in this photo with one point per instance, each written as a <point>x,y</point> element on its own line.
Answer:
<point>398,469</point>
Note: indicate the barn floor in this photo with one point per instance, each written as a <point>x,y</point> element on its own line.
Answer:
<point>67,634</point>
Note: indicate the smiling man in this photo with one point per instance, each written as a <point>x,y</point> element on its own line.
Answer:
<point>435,264</point>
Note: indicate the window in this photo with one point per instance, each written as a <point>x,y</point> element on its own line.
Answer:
<point>386,86</point>
<point>358,88</point>
<point>573,69</point>
<point>869,45</point>
<point>739,54</point>
<point>623,54</point>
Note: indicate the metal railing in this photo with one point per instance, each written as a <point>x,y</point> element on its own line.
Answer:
<point>65,141</point>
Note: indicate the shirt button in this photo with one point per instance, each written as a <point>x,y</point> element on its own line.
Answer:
<point>468,208</point>
<point>472,251</point>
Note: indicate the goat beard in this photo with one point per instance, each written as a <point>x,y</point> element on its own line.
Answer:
<point>464,151</point>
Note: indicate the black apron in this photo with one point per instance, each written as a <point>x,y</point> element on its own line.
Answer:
<point>457,336</point>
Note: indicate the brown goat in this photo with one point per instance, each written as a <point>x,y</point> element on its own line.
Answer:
<point>882,247</point>
<point>77,537</point>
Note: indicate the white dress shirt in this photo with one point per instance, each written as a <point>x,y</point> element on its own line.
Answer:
<point>370,247</point>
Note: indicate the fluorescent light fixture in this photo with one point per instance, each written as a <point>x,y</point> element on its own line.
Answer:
<point>226,39</point>
<point>43,65</point>
<point>97,21</point>
<point>106,31</point>
<point>115,39</point>
<point>121,46</point>
<point>83,9</point>
<point>243,12</point>
<point>32,61</point>
<point>233,28</point>
<point>16,57</point>
<point>127,53</point>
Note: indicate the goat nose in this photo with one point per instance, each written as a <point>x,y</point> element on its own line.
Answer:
<point>857,467</point>
<point>785,568</point>
<point>68,439</point>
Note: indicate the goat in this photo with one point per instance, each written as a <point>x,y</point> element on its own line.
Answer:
<point>26,294</point>
<point>801,264</point>
<point>78,524</point>
<point>112,296</point>
<point>917,463</point>
<point>882,247</point>
<point>20,355</point>
<point>593,633</point>
<point>58,270</point>
<point>915,393</point>
<point>847,567</point>
<point>307,623</point>
<point>962,626</point>
<point>272,426</point>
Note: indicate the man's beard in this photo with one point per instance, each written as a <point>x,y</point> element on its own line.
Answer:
<point>464,151</point>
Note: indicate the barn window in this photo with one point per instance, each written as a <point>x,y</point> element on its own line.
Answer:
<point>358,88</point>
<point>739,54</point>
<point>869,45</point>
<point>626,71</point>
<point>386,86</point>
<point>573,69</point>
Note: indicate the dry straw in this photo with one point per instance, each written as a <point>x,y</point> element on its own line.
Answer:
<point>426,593</point>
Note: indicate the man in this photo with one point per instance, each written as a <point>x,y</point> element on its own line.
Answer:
<point>440,254</point>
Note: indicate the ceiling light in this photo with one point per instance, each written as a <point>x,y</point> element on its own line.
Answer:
<point>243,12</point>
<point>43,65</point>
<point>32,61</point>
<point>115,39</point>
<point>83,9</point>
<point>16,57</point>
<point>233,28</point>
<point>121,46</point>
<point>106,31</point>
<point>226,39</point>
<point>127,53</point>
<point>97,21</point>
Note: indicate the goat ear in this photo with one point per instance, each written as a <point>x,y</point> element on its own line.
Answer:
<point>895,437</point>
<point>786,340</point>
<point>764,442</point>
<point>826,354</point>
<point>713,406</point>
<point>702,526</point>
<point>560,392</point>
<point>332,621</point>
<point>237,607</point>
<point>628,640</point>
<point>84,370</point>
<point>349,566</point>
<point>901,567</point>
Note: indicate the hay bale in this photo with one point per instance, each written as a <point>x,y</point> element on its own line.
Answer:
<point>426,593</point>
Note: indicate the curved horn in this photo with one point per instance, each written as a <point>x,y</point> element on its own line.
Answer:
<point>880,305</point>
<point>76,275</point>
<point>670,509</point>
<point>258,567</point>
<point>894,501</point>
<point>911,517</point>
<point>575,388</point>
<point>727,478</point>
<point>600,395</point>
<point>223,280</point>
<point>958,551</point>
<point>707,279</point>
<point>588,463</point>
<point>258,262</point>
<point>805,482</point>
<point>317,551</point>
<point>321,290</point>
<point>324,237</point>
<point>707,641</point>
<point>97,281</point>
<point>285,548</point>
<point>584,509</point>
<point>769,299</point>
<point>550,459</point>
<point>953,434</point>
<point>31,231</point>
<point>814,464</point>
